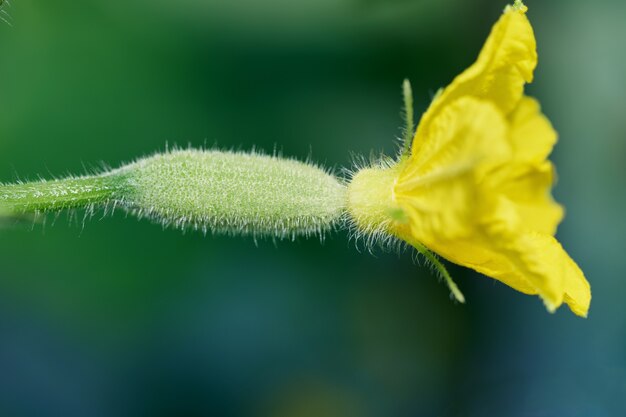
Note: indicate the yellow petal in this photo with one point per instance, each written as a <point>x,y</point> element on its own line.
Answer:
<point>532,134</point>
<point>465,131</point>
<point>505,63</point>
<point>528,177</point>
<point>439,184</point>
<point>553,264</point>
<point>528,187</point>
<point>532,263</point>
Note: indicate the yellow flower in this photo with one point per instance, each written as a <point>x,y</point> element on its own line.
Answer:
<point>475,185</point>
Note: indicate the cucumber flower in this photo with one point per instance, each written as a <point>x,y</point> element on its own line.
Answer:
<point>474,183</point>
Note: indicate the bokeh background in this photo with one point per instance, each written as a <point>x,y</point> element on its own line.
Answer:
<point>117,317</point>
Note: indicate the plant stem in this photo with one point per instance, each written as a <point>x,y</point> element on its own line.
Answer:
<point>42,196</point>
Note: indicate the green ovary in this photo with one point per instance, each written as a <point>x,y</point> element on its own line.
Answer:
<point>236,193</point>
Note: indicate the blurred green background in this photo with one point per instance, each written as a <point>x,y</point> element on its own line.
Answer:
<point>117,317</point>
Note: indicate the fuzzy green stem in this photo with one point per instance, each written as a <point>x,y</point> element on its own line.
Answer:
<point>409,129</point>
<point>43,196</point>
